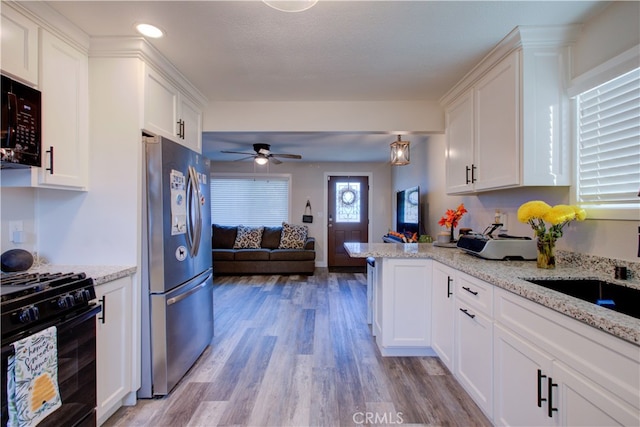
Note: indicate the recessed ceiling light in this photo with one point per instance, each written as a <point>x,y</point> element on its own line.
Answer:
<point>290,5</point>
<point>149,30</point>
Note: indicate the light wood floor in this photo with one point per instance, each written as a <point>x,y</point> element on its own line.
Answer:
<point>297,351</point>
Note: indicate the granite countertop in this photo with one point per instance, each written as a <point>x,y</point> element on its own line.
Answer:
<point>100,273</point>
<point>509,275</point>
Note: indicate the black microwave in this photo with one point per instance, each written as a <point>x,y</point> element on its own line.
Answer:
<point>21,125</point>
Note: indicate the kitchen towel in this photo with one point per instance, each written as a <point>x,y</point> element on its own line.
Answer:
<point>32,383</point>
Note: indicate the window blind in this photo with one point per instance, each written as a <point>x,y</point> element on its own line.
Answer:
<point>251,201</point>
<point>609,143</point>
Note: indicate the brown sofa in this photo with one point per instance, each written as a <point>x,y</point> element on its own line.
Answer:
<point>268,259</point>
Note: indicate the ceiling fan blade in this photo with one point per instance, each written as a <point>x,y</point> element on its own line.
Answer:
<point>288,156</point>
<point>244,158</point>
<point>275,161</point>
<point>238,152</point>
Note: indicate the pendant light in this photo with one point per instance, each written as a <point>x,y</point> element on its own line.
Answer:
<point>400,152</point>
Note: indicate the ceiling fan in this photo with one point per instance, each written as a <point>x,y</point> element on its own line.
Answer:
<point>263,154</point>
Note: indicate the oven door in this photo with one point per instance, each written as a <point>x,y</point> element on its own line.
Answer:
<point>76,370</point>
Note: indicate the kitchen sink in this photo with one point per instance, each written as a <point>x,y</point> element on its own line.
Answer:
<point>605,294</point>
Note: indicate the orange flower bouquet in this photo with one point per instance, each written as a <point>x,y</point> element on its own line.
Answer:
<point>451,218</point>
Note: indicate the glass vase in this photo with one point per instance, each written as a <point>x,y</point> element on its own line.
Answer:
<point>546,254</point>
<point>452,239</point>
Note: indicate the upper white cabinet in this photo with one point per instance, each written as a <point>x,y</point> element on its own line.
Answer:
<point>169,112</point>
<point>507,119</point>
<point>61,71</point>
<point>19,46</point>
<point>65,116</point>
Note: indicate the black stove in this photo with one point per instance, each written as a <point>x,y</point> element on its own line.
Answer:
<point>31,299</point>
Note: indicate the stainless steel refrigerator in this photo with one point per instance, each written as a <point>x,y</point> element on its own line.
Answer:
<point>177,275</point>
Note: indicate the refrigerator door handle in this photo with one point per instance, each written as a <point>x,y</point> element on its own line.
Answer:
<point>193,207</point>
<point>195,188</point>
<point>191,291</point>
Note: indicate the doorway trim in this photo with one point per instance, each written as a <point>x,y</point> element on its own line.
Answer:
<point>325,208</point>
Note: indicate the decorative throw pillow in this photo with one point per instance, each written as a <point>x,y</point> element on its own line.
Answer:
<point>293,236</point>
<point>248,237</point>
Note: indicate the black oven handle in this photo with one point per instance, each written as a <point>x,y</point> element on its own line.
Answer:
<point>77,318</point>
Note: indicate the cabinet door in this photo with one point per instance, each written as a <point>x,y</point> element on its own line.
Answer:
<point>474,354</point>
<point>443,313</point>
<point>65,120</point>
<point>191,117</point>
<point>459,160</point>
<point>581,402</point>
<point>160,105</point>
<point>114,356</point>
<point>19,45</point>
<point>497,113</point>
<point>406,305</point>
<point>519,383</point>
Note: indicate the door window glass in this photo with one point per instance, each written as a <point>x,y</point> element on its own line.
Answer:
<point>347,202</point>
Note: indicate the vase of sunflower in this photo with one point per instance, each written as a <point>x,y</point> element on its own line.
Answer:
<point>535,213</point>
<point>451,218</point>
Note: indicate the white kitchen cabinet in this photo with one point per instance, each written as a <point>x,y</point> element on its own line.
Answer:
<point>507,119</point>
<point>115,377</point>
<point>580,374</point>
<point>191,117</point>
<point>581,402</point>
<point>63,71</point>
<point>403,307</point>
<point>496,126</point>
<point>65,114</point>
<point>473,352</point>
<point>170,113</point>
<point>19,46</point>
<point>521,391</point>
<point>459,160</point>
<point>443,313</point>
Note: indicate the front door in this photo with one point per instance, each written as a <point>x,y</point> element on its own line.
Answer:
<point>348,218</point>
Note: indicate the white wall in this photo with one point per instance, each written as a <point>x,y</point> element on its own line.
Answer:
<point>613,31</point>
<point>18,204</point>
<point>308,182</point>
<point>338,116</point>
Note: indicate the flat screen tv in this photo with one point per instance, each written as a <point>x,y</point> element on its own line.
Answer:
<point>408,210</point>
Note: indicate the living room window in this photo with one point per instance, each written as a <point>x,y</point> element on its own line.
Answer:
<point>252,200</point>
<point>608,148</point>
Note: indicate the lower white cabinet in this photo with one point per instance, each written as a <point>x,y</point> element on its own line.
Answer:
<point>473,366</point>
<point>402,312</point>
<point>521,390</point>
<point>443,311</point>
<point>115,352</point>
<point>552,370</point>
<point>578,401</point>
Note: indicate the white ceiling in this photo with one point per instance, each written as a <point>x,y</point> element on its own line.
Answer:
<point>336,51</point>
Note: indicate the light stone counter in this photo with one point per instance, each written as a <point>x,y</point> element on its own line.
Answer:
<point>509,275</point>
<point>100,273</point>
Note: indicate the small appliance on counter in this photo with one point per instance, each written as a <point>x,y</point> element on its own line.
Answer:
<point>500,247</point>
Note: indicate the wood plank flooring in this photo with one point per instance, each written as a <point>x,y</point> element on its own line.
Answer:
<point>297,351</point>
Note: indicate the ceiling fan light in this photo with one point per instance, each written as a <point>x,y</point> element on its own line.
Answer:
<point>400,152</point>
<point>290,5</point>
<point>261,160</point>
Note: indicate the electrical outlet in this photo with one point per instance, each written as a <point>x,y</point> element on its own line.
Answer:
<point>16,226</point>
<point>503,220</point>
<point>16,231</point>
